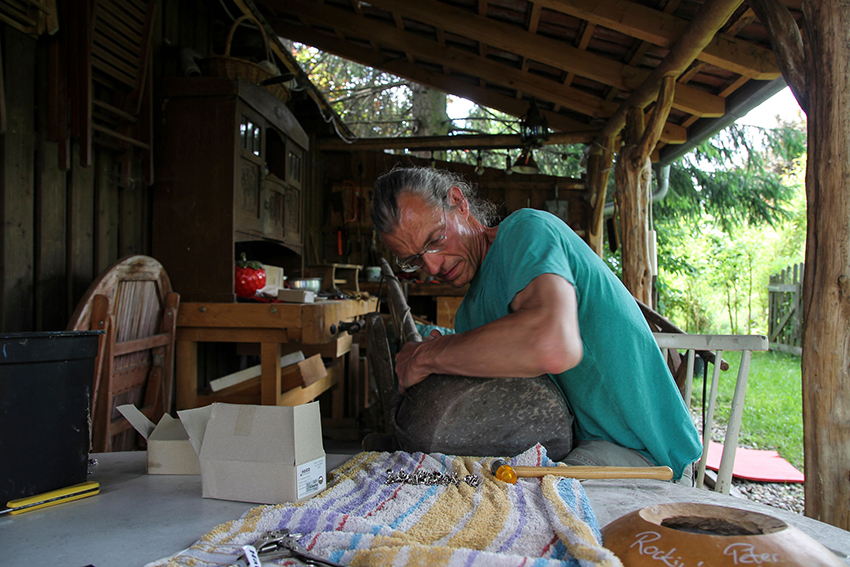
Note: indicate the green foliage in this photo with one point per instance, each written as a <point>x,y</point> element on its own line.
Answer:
<point>735,177</point>
<point>773,412</point>
<point>734,215</point>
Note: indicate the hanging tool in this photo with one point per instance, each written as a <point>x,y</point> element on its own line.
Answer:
<point>506,473</point>
<point>51,498</point>
<point>279,543</point>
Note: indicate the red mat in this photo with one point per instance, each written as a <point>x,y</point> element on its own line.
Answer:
<point>752,464</point>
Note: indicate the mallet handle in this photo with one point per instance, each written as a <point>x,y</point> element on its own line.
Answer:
<point>660,473</point>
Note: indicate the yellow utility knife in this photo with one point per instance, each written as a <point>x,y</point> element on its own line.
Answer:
<point>51,498</point>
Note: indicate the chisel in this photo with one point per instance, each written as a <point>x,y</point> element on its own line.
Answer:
<point>51,498</point>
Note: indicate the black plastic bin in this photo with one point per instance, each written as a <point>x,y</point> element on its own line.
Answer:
<point>45,396</point>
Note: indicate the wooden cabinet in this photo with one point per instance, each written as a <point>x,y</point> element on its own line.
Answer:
<point>230,170</point>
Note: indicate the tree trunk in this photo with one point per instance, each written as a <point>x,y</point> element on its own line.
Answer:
<point>429,111</point>
<point>826,287</point>
<point>598,168</point>
<point>633,175</point>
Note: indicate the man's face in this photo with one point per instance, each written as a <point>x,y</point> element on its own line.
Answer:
<point>422,227</point>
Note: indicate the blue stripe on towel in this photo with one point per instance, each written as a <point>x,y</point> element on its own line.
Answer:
<point>523,521</point>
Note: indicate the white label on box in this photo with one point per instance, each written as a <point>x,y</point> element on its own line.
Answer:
<point>311,477</point>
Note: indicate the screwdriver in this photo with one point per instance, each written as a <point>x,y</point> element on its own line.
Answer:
<point>506,473</point>
<point>51,498</point>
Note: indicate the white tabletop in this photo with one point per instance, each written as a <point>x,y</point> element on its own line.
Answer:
<point>139,518</point>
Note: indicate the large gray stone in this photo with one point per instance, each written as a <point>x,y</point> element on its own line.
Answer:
<point>482,417</point>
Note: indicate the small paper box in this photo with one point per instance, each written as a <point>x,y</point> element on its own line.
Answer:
<point>296,295</point>
<point>260,454</point>
<point>169,449</point>
<point>274,275</point>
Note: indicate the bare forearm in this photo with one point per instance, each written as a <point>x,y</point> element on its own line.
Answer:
<point>539,336</point>
<point>503,349</point>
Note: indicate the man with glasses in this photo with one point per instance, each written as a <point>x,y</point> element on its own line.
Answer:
<point>539,302</point>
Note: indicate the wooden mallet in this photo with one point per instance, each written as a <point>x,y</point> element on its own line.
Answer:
<point>506,473</point>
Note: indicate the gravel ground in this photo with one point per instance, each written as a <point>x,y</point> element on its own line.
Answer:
<point>787,496</point>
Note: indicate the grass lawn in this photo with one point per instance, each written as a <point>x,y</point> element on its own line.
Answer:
<point>773,410</point>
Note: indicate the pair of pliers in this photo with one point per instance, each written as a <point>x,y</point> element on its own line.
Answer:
<point>279,543</point>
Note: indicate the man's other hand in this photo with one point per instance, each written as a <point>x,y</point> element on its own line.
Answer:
<point>409,362</point>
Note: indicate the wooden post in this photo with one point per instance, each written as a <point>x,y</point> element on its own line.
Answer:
<point>598,170</point>
<point>826,284</point>
<point>787,43</point>
<point>633,174</point>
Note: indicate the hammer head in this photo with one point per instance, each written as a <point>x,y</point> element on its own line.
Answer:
<point>503,471</point>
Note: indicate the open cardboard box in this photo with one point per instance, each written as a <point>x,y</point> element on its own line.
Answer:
<point>169,449</point>
<point>260,454</point>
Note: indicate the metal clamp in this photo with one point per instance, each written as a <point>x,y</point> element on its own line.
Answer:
<point>280,543</point>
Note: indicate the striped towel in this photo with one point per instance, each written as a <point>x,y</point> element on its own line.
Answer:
<point>360,520</point>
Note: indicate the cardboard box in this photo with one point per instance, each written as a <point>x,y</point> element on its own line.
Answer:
<point>169,449</point>
<point>260,454</point>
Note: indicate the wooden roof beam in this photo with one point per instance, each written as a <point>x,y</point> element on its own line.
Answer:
<point>469,63</point>
<point>710,18</point>
<point>672,134</point>
<point>658,28</point>
<point>550,52</point>
<point>474,93</point>
<point>459,142</point>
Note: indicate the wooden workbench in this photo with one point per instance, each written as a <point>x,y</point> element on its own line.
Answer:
<point>269,324</point>
<point>446,297</point>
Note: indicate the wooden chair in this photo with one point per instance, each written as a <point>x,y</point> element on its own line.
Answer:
<point>133,304</point>
<point>717,343</point>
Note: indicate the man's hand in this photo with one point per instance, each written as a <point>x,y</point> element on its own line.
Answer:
<point>410,362</point>
<point>540,336</point>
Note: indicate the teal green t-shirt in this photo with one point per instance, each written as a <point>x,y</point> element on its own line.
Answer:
<point>621,391</point>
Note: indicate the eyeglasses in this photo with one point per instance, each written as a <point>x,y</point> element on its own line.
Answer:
<point>413,263</point>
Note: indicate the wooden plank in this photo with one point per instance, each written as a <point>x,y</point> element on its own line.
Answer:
<point>319,318</point>
<point>446,310</point>
<point>795,350</point>
<point>83,78</point>
<point>3,118</point>
<point>707,21</point>
<point>240,315</point>
<point>298,396</point>
<point>270,380</point>
<point>457,59</point>
<point>551,52</point>
<point>17,193</point>
<point>712,342</point>
<point>186,373</point>
<point>224,335</point>
<point>332,349</point>
<point>106,219</point>
<point>304,373</point>
<point>787,44</point>
<point>784,288</point>
<point>582,133</point>
<point>135,217</point>
<point>49,259</point>
<point>136,345</point>
<point>658,28</point>
<point>80,249</point>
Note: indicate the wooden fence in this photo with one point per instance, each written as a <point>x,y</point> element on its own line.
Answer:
<point>785,314</point>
